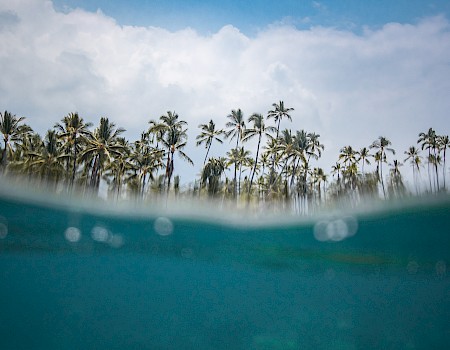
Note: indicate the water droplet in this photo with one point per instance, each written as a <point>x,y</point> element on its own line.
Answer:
<point>441,269</point>
<point>100,234</point>
<point>3,230</point>
<point>72,234</point>
<point>163,226</point>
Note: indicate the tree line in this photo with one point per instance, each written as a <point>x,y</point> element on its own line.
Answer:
<point>75,157</point>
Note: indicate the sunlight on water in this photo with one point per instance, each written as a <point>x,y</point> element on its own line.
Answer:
<point>163,226</point>
<point>72,234</point>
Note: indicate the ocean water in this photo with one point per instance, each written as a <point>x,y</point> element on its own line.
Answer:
<point>79,276</point>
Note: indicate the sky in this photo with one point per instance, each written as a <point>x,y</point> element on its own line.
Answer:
<point>352,70</point>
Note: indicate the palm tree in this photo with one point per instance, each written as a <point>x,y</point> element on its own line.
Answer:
<point>145,160</point>
<point>174,140</point>
<point>444,143</point>
<point>119,168</point>
<point>212,172</point>
<point>301,153</point>
<point>208,135</point>
<point>415,159</point>
<point>73,130</point>
<point>47,162</point>
<point>26,149</point>
<point>102,146</point>
<point>364,156</point>
<point>382,144</point>
<point>239,157</point>
<point>348,156</point>
<point>315,148</point>
<point>427,140</point>
<point>395,179</point>
<point>12,131</point>
<point>279,112</point>
<point>260,129</point>
<point>319,177</point>
<point>236,127</point>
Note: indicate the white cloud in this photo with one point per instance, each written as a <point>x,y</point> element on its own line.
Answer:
<point>349,88</point>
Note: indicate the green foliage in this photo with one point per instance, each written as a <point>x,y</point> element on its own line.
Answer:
<point>282,173</point>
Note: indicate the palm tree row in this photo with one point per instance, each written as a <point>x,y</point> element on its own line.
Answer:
<point>72,157</point>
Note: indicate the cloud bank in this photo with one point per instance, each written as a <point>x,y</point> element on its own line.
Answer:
<point>350,88</point>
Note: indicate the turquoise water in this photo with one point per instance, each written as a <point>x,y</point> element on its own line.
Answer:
<point>73,277</point>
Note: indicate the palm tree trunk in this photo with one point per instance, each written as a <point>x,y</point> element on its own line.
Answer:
<point>74,167</point>
<point>443,169</point>
<point>5,154</point>
<point>256,163</point>
<point>235,168</point>
<point>381,175</point>
<point>436,169</point>
<point>428,168</point>
<point>207,152</point>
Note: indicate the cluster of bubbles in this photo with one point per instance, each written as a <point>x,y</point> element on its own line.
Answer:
<point>99,233</point>
<point>335,229</point>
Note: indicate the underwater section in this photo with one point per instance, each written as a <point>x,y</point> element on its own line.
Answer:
<point>79,275</point>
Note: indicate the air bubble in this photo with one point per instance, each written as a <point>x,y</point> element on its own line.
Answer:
<point>335,229</point>
<point>115,241</point>
<point>163,226</point>
<point>72,234</point>
<point>100,234</point>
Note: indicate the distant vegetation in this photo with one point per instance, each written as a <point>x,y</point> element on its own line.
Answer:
<point>75,157</point>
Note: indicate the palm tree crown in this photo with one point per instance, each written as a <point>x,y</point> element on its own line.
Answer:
<point>11,130</point>
<point>208,135</point>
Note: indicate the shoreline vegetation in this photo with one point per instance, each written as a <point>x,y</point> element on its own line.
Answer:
<point>280,174</point>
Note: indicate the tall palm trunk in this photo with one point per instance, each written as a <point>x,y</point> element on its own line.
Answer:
<point>169,169</point>
<point>381,175</point>
<point>4,154</point>
<point>443,169</point>
<point>436,168</point>
<point>74,165</point>
<point>235,169</point>
<point>207,152</point>
<point>428,168</point>
<point>256,163</point>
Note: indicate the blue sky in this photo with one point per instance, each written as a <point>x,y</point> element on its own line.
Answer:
<point>352,70</point>
<point>251,16</point>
